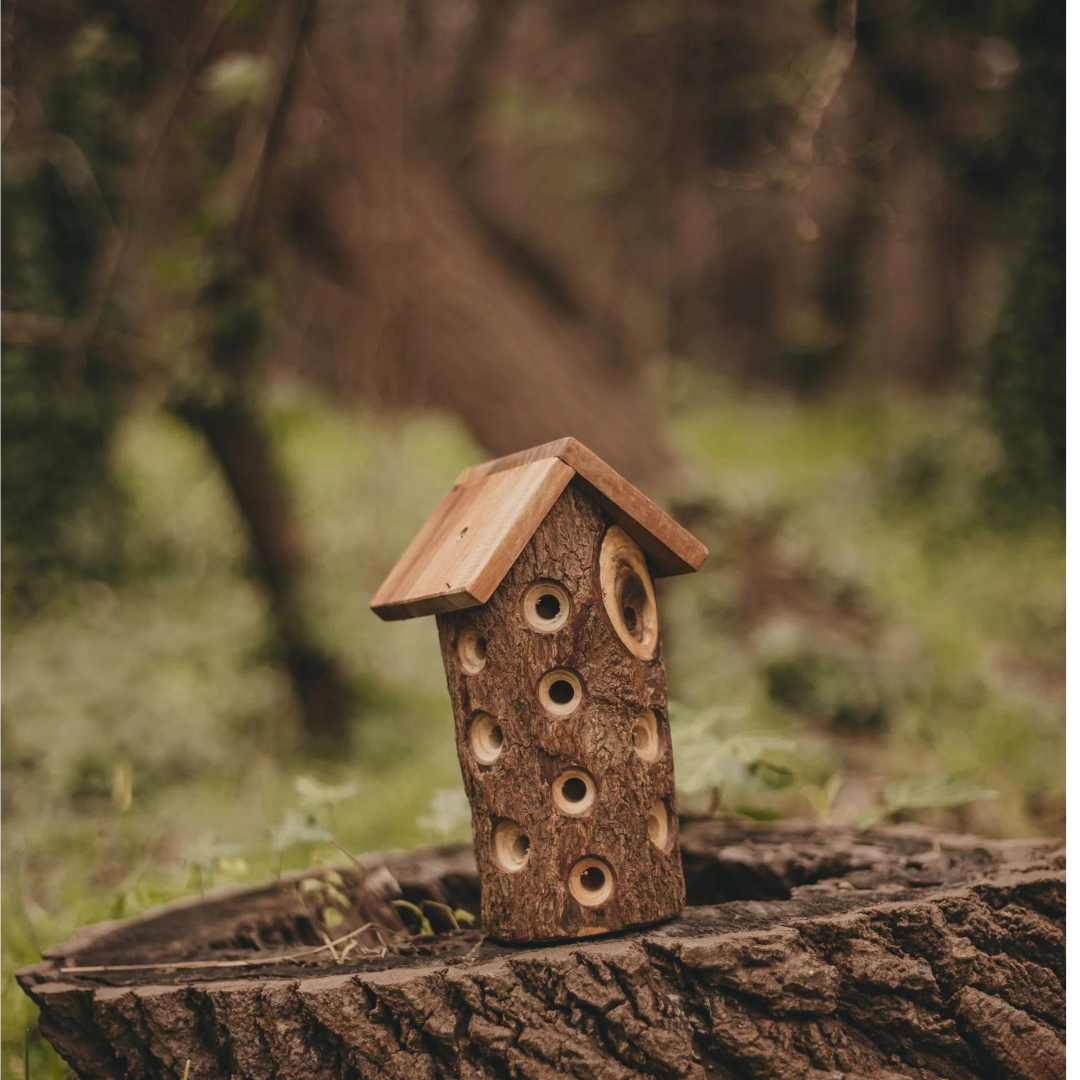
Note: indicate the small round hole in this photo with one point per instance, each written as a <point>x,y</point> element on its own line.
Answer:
<point>510,846</point>
<point>574,792</point>
<point>485,737</point>
<point>591,882</point>
<point>560,692</point>
<point>546,607</point>
<point>574,789</point>
<point>472,651</point>
<point>659,820</point>
<point>646,736</point>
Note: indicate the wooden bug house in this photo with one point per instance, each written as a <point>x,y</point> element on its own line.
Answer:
<point>539,569</point>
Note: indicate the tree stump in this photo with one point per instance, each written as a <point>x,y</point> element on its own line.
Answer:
<point>803,952</point>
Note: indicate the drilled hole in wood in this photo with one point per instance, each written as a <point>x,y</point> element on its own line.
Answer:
<point>560,692</point>
<point>633,599</point>
<point>646,736</point>
<point>660,831</point>
<point>472,651</point>
<point>510,846</point>
<point>485,737</point>
<point>546,606</point>
<point>574,792</point>
<point>574,789</point>
<point>591,882</point>
<point>628,594</point>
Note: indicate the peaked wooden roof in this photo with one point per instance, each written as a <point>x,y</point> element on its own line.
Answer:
<point>466,547</point>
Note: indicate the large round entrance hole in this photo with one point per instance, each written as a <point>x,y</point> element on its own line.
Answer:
<point>546,607</point>
<point>660,831</point>
<point>472,651</point>
<point>485,737</point>
<point>591,882</point>
<point>574,792</point>
<point>645,734</point>
<point>510,846</point>
<point>560,692</point>
<point>628,594</point>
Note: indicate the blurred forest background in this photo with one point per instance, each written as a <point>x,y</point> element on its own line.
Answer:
<point>274,271</point>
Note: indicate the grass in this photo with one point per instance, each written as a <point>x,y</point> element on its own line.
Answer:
<point>896,653</point>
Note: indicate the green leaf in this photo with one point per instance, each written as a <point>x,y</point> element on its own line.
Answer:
<point>771,775</point>
<point>331,917</point>
<point>823,798</point>
<point>466,918</point>
<point>205,853</point>
<point>425,928</point>
<point>337,895</point>
<point>315,795</point>
<point>937,792</point>
<point>297,828</point>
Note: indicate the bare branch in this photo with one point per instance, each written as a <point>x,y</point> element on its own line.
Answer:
<point>821,95</point>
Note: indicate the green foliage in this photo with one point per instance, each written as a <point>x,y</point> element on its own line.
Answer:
<point>423,923</point>
<point>903,797</point>
<point>1024,380</point>
<point>833,681</point>
<point>61,400</point>
<point>144,723</point>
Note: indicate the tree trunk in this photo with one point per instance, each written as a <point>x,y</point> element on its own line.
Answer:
<point>235,437</point>
<point>806,952</point>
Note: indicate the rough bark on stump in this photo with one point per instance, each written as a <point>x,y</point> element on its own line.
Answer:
<point>805,952</point>
<point>535,892</point>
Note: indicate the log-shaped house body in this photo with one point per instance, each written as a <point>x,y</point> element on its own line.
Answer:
<point>538,568</point>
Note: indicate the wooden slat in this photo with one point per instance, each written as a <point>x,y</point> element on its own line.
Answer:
<point>471,540</point>
<point>670,548</point>
<point>512,461</point>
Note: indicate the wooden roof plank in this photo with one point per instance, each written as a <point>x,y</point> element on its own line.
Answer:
<point>466,547</point>
<point>471,540</point>
<point>670,548</point>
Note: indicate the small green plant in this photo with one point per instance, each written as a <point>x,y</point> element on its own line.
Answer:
<point>732,774</point>
<point>206,858</point>
<point>328,892</point>
<point>458,916</point>
<point>940,792</point>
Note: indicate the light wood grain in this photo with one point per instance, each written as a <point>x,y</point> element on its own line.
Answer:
<point>669,548</point>
<point>471,540</point>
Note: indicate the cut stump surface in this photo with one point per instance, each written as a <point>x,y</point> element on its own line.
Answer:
<point>804,952</point>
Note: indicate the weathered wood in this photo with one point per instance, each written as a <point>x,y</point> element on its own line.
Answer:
<point>468,544</point>
<point>806,952</point>
<point>465,548</point>
<point>671,549</point>
<point>567,782</point>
